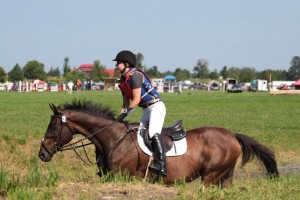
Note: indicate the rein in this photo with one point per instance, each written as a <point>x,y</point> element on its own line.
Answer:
<point>71,146</point>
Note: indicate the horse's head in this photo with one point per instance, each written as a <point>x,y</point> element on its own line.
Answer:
<point>57,135</point>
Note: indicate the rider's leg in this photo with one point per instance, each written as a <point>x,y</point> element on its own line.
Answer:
<point>156,121</point>
<point>159,156</point>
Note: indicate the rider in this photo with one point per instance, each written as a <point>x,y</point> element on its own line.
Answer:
<point>137,91</point>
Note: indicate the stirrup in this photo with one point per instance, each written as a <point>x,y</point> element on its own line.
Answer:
<point>160,171</point>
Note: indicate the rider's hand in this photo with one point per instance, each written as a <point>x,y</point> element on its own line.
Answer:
<point>121,117</point>
<point>124,114</point>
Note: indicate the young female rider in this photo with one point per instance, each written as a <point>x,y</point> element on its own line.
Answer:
<point>137,91</point>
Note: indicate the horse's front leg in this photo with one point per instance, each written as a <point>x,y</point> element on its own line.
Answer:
<point>101,164</point>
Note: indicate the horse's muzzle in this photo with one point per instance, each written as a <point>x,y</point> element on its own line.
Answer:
<point>44,156</point>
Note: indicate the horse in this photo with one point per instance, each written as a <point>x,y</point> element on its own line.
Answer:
<point>212,152</point>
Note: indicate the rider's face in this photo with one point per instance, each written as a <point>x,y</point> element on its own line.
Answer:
<point>120,66</point>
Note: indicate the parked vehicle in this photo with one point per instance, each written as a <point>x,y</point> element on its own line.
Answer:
<point>236,88</point>
<point>230,82</point>
<point>199,86</point>
<point>2,86</point>
<point>215,86</point>
<point>252,88</point>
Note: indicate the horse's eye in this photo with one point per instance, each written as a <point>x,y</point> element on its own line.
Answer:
<point>54,125</point>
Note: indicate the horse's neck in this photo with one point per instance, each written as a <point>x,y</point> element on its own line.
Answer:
<point>88,124</point>
<point>104,132</point>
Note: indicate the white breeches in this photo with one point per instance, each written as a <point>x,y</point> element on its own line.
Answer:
<point>155,116</point>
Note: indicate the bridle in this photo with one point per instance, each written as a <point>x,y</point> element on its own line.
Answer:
<point>58,145</point>
<point>57,138</point>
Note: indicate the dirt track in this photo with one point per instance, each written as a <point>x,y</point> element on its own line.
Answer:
<point>142,190</point>
<point>287,169</point>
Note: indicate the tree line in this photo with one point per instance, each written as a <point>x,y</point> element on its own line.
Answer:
<point>242,74</point>
<point>35,70</point>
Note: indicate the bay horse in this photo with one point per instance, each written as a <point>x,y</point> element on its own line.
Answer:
<point>212,152</point>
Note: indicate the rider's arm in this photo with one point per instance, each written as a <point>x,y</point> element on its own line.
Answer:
<point>136,97</point>
<point>126,103</point>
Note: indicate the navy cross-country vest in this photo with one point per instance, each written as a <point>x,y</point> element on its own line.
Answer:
<point>148,93</point>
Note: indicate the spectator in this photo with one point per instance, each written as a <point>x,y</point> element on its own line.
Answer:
<point>78,84</point>
<point>70,87</point>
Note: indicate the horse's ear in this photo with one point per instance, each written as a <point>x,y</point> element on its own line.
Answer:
<point>54,108</point>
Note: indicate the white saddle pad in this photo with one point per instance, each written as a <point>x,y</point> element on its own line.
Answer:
<point>179,147</point>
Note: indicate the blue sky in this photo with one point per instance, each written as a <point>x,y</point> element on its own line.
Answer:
<point>263,34</point>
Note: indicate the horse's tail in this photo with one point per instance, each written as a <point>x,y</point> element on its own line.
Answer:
<point>252,148</point>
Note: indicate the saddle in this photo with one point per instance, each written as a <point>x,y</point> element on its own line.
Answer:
<point>169,134</point>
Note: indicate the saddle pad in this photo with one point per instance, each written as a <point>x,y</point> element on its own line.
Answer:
<point>179,148</point>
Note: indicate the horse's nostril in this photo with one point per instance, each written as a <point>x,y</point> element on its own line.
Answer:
<point>41,156</point>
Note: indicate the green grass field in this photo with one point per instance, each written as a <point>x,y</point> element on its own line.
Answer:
<point>272,120</point>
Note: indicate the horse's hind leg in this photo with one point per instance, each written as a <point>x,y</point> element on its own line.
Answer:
<point>221,178</point>
<point>226,180</point>
<point>212,178</point>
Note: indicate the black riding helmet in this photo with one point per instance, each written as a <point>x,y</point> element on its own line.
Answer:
<point>126,56</point>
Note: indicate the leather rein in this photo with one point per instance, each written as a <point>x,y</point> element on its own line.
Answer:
<point>60,147</point>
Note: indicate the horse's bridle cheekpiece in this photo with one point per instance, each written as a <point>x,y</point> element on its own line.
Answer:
<point>57,137</point>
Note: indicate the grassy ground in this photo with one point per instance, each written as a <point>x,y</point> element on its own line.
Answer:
<point>272,120</point>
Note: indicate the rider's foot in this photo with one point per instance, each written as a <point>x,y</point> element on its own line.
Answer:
<point>159,168</point>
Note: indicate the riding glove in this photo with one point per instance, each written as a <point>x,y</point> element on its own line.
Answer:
<point>124,114</point>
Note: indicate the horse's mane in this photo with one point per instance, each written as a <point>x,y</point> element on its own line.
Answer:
<point>90,107</point>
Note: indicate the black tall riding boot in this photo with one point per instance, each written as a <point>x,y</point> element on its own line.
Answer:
<point>159,156</point>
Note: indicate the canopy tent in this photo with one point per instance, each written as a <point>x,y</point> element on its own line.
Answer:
<point>169,77</point>
<point>297,83</point>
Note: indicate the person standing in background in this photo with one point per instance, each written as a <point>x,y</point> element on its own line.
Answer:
<point>78,84</point>
<point>70,87</point>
